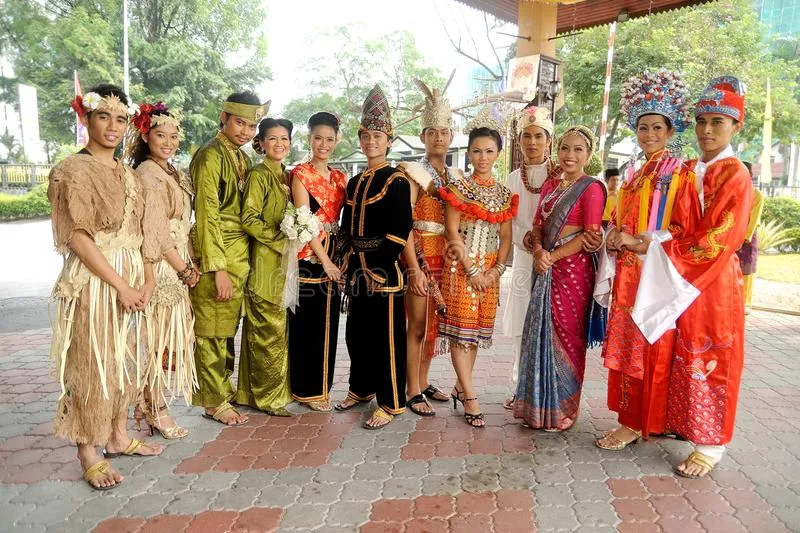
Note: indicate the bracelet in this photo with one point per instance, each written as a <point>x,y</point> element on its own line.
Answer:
<point>501,268</point>
<point>473,271</point>
<point>186,273</point>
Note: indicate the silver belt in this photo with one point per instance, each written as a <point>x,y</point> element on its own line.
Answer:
<point>330,227</point>
<point>429,227</point>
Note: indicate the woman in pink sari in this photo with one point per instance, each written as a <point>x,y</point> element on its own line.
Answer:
<point>561,320</point>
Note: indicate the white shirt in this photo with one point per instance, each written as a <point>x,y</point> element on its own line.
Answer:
<point>700,172</point>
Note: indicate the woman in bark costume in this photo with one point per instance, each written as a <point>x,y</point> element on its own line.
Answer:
<point>98,334</point>
<point>153,140</point>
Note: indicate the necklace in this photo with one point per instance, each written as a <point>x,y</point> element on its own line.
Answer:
<point>440,179</point>
<point>524,175</point>
<point>483,182</point>
<point>549,202</point>
<point>493,197</point>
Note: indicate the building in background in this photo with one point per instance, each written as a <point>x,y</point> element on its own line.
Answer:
<point>19,122</point>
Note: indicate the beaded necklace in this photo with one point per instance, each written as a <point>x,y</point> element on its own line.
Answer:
<point>440,179</point>
<point>549,202</point>
<point>523,172</point>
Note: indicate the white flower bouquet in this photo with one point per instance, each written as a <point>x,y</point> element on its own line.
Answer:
<point>299,225</point>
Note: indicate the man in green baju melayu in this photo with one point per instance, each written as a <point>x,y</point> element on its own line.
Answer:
<point>219,170</point>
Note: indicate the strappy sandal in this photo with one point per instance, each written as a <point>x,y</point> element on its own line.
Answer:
<point>509,403</point>
<point>432,391</point>
<point>471,418</point>
<point>101,469</point>
<point>610,442</point>
<point>170,433</point>
<point>416,400</point>
<point>223,408</point>
<point>456,397</point>
<point>699,459</point>
<point>132,449</point>
<point>381,415</point>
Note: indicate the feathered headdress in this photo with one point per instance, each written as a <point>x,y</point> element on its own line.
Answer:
<point>437,112</point>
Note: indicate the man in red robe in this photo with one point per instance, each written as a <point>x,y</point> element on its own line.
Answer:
<point>694,283</point>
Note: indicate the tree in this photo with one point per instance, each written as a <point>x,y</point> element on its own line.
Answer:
<point>700,42</point>
<point>340,85</point>
<point>178,54</point>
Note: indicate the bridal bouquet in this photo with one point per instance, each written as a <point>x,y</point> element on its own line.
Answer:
<point>300,225</point>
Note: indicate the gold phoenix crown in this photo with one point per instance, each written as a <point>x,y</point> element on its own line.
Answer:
<point>437,112</point>
<point>486,119</point>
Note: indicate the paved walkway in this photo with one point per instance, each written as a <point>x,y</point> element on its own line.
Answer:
<point>323,472</point>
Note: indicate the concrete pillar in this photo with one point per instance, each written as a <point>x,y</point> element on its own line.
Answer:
<point>537,20</point>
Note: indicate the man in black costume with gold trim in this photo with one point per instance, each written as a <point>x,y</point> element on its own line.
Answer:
<point>377,222</point>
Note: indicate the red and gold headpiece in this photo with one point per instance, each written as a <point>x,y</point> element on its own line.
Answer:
<point>725,96</point>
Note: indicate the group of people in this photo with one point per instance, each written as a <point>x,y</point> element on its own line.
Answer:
<point>149,303</point>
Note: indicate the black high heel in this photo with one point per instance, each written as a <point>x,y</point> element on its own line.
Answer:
<point>472,418</point>
<point>456,397</point>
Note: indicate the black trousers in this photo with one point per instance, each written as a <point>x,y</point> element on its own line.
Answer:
<point>376,342</point>
<point>313,334</point>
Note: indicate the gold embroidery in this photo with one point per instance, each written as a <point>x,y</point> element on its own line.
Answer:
<point>394,238</point>
<point>714,248</point>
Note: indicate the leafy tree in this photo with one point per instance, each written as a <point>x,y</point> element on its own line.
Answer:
<point>701,42</point>
<point>341,84</point>
<point>178,51</point>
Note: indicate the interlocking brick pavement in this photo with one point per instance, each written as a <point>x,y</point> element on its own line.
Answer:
<point>324,472</point>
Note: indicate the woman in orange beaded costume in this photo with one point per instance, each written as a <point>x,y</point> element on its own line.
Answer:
<point>478,227</point>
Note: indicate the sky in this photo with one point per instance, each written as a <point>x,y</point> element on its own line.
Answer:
<point>290,26</point>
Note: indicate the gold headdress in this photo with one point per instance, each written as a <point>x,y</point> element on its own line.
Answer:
<point>92,101</point>
<point>584,133</point>
<point>375,113</point>
<point>487,117</point>
<point>437,112</point>
<point>250,112</point>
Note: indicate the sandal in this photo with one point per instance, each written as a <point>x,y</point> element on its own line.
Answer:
<point>322,406</point>
<point>509,403</point>
<point>456,397</point>
<point>170,433</point>
<point>435,394</point>
<point>609,441</point>
<point>132,449</point>
<point>380,415</point>
<point>345,406</point>
<point>101,469</point>
<point>700,459</point>
<point>471,418</point>
<point>416,400</point>
<point>223,408</point>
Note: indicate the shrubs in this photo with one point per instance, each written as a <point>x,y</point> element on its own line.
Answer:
<point>784,212</point>
<point>31,205</point>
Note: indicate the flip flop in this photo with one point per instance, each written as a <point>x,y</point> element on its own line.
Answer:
<point>416,400</point>
<point>98,470</point>
<point>132,449</point>
<point>381,415</point>
<point>223,408</point>
<point>341,407</point>
<point>432,391</point>
<point>701,460</point>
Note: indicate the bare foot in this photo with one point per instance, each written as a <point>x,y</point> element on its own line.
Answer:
<point>348,403</point>
<point>509,403</point>
<point>378,419</point>
<point>697,465</point>
<point>88,457</point>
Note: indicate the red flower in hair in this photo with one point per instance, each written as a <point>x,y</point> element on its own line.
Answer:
<point>77,105</point>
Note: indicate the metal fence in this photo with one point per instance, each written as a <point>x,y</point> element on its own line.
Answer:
<point>779,190</point>
<point>23,176</point>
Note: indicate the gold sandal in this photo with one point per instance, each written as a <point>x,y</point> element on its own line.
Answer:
<point>223,408</point>
<point>99,470</point>
<point>382,416</point>
<point>700,459</point>
<point>609,442</point>
<point>170,433</point>
<point>322,406</point>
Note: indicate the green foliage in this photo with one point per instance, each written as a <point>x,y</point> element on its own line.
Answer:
<point>783,210</point>
<point>31,205</point>
<point>701,42</point>
<point>594,166</point>
<point>178,51</point>
<point>340,84</point>
<point>772,235</point>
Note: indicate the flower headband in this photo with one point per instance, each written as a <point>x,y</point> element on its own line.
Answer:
<point>83,105</point>
<point>144,119</point>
